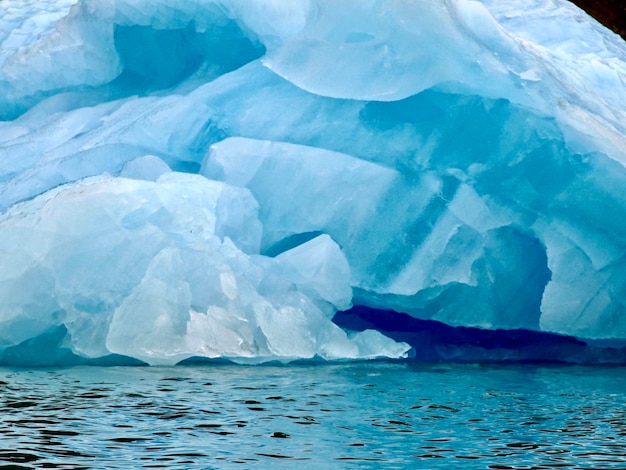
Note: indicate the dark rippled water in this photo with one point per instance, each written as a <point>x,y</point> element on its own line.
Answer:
<point>365,415</point>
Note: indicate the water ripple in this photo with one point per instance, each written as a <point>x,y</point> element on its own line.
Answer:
<point>352,415</point>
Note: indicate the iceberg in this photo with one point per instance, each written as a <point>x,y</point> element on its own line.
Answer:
<point>276,181</point>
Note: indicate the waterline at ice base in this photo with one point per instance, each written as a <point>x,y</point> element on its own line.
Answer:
<point>266,180</point>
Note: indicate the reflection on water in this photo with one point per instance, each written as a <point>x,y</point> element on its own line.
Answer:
<point>366,415</point>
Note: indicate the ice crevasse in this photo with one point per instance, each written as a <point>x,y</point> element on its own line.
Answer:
<point>270,180</point>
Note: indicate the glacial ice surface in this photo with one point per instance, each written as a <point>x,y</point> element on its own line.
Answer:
<point>219,178</point>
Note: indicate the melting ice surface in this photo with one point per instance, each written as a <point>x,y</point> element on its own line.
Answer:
<point>219,178</point>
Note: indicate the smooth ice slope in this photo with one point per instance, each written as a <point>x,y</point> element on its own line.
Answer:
<point>217,178</point>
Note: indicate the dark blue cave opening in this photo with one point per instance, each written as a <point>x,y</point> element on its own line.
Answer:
<point>434,341</point>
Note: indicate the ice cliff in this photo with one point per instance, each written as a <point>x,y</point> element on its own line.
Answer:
<point>219,178</point>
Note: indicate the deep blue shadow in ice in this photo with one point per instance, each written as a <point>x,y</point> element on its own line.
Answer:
<point>433,341</point>
<point>155,59</point>
<point>290,242</point>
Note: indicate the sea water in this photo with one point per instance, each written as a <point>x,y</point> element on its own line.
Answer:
<point>365,415</point>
